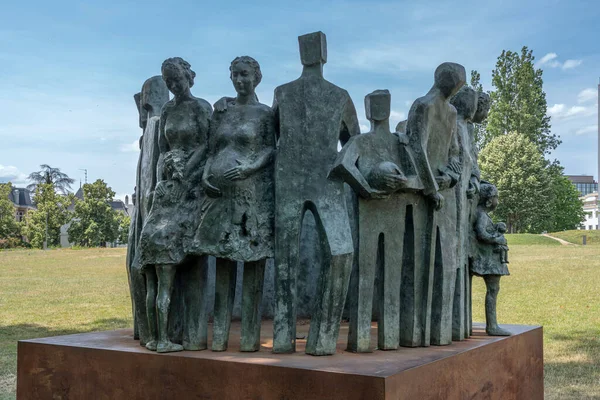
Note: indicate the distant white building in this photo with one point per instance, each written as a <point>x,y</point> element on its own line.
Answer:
<point>590,207</point>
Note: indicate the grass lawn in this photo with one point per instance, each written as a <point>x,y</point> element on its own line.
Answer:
<point>67,291</point>
<point>576,236</point>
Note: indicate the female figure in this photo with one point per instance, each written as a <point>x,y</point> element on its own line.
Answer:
<point>236,220</point>
<point>490,258</point>
<point>182,144</point>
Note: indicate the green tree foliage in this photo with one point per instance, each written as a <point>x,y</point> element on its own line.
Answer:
<point>519,102</point>
<point>124,223</point>
<point>518,169</point>
<point>95,223</point>
<point>51,208</point>
<point>9,226</point>
<point>52,176</point>
<point>479,131</point>
<point>566,207</point>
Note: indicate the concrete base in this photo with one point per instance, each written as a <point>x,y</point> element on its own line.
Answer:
<point>111,365</point>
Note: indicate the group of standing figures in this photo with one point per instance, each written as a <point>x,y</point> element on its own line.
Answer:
<point>236,182</point>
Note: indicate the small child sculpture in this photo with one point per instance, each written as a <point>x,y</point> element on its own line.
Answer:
<point>490,261</point>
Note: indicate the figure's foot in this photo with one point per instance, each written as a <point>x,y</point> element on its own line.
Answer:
<point>168,347</point>
<point>497,331</point>
<point>193,347</point>
<point>151,345</point>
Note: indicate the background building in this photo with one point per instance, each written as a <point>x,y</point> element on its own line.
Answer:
<point>584,183</point>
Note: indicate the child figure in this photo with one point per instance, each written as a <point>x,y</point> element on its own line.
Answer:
<point>491,254</point>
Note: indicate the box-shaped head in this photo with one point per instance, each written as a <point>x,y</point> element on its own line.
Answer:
<point>313,48</point>
<point>377,105</point>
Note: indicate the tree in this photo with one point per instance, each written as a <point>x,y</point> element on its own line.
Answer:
<point>124,223</point>
<point>52,212</point>
<point>519,102</point>
<point>479,128</point>
<point>566,207</point>
<point>518,169</point>
<point>52,176</point>
<point>95,223</point>
<point>9,226</point>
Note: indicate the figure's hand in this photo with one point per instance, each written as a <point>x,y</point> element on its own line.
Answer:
<point>437,199</point>
<point>242,171</point>
<point>221,105</point>
<point>471,191</point>
<point>211,190</point>
<point>443,180</point>
<point>394,182</point>
<point>375,194</point>
<point>160,190</point>
<point>501,240</point>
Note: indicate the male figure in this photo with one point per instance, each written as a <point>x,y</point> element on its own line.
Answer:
<point>313,116</point>
<point>373,164</point>
<point>467,186</point>
<point>149,102</point>
<point>431,131</point>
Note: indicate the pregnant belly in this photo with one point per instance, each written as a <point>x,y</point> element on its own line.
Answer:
<point>223,162</point>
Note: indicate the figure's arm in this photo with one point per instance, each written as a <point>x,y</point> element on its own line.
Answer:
<point>211,190</point>
<point>163,145</point>
<point>346,170</point>
<point>276,123</point>
<point>418,143</point>
<point>350,126</point>
<point>453,168</point>
<point>481,230</point>
<point>267,155</point>
<point>197,159</point>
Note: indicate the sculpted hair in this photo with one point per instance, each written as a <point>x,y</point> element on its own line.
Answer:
<point>251,62</point>
<point>483,102</point>
<point>486,192</point>
<point>464,101</point>
<point>182,65</point>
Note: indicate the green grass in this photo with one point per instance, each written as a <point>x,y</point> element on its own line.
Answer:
<point>576,236</point>
<point>66,291</point>
<point>529,239</point>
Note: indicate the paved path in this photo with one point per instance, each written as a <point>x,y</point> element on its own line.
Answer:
<point>563,242</point>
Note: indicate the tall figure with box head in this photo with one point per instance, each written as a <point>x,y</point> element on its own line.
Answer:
<point>431,129</point>
<point>313,116</point>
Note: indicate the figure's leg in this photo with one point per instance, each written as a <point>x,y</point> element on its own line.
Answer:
<point>252,289</point>
<point>166,277</point>
<point>150,306</point>
<point>389,299</point>
<point>359,331</point>
<point>139,296</point>
<point>195,327</point>
<point>226,272</point>
<point>458,306</point>
<point>287,260</point>
<point>492,283</point>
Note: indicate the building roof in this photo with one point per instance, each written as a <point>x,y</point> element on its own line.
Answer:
<point>21,197</point>
<point>581,178</point>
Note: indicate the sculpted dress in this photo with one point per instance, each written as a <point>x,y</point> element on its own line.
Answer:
<point>238,225</point>
<point>167,226</point>
<point>487,261</point>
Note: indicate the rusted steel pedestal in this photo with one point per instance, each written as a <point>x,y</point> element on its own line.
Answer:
<point>110,365</point>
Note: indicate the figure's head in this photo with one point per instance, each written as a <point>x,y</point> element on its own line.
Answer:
<point>178,75</point>
<point>377,105</point>
<point>488,196</point>
<point>449,78</point>
<point>401,127</point>
<point>134,196</point>
<point>153,96</point>
<point>465,102</point>
<point>245,74</point>
<point>313,48</point>
<point>483,107</point>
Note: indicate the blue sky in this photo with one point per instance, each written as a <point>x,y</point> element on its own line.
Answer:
<point>70,69</point>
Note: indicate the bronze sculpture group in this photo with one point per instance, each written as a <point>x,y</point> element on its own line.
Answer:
<point>236,183</point>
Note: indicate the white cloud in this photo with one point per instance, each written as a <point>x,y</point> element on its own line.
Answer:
<point>397,115</point>
<point>132,147</point>
<point>364,128</point>
<point>587,129</point>
<point>560,111</point>
<point>571,64</point>
<point>587,95</point>
<point>9,173</point>
<point>547,59</point>
<point>551,60</point>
